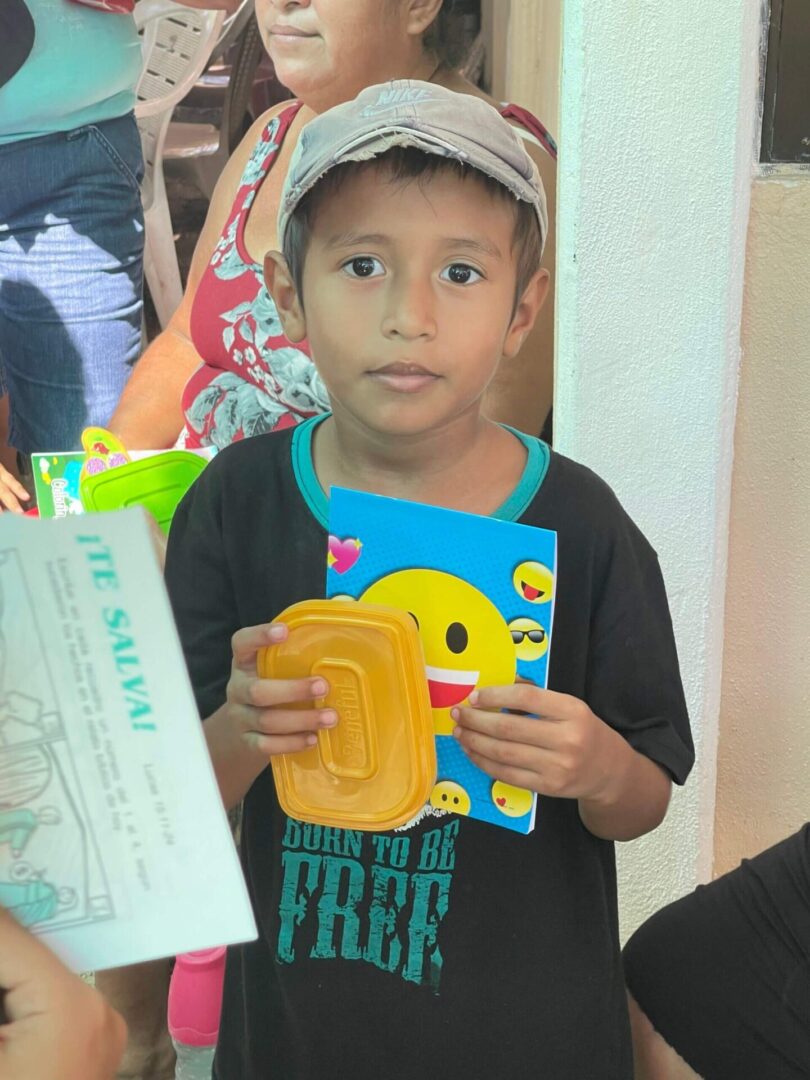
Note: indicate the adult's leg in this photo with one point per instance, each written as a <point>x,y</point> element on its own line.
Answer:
<point>140,993</point>
<point>71,279</point>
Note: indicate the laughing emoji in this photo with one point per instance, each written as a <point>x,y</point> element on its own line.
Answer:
<point>466,641</point>
<point>533,582</point>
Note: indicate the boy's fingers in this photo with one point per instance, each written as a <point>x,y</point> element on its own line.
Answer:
<point>505,727</point>
<point>526,697</point>
<point>517,776</point>
<point>246,642</point>
<point>291,721</point>
<point>514,753</point>
<point>269,693</point>
<point>271,745</point>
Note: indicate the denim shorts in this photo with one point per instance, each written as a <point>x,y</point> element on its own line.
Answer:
<point>71,279</point>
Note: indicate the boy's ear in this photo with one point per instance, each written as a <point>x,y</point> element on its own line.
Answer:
<point>526,312</point>
<point>280,285</point>
<point>421,14</point>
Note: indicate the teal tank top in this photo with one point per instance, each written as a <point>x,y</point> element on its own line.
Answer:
<point>82,69</point>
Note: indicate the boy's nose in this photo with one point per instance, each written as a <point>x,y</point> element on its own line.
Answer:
<point>410,312</point>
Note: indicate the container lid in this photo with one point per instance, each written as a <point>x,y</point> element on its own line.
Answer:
<point>158,483</point>
<point>376,769</point>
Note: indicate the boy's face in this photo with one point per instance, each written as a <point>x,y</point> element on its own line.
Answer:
<point>409,298</point>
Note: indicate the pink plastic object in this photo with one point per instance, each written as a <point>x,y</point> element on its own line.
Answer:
<point>195,997</point>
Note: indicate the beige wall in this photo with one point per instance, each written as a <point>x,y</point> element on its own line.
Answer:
<point>764,753</point>
<point>533,58</point>
<point>523,58</point>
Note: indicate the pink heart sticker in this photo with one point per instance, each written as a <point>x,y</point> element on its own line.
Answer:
<point>343,554</point>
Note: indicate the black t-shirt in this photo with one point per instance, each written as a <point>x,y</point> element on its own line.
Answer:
<point>737,952</point>
<point>451,948</point>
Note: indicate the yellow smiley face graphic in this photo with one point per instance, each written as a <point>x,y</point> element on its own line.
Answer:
<point>464,637</point>
<point>531,640</point>
<point>511,801</point>
<point>448,795</point>
<point>533,582</point>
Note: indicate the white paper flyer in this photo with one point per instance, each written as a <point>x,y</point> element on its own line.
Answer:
<point>114,845</point>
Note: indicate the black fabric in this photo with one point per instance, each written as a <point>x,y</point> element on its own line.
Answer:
<point>724,974</point>
<point>547,434</point>
<point>451,948</point>
<point>16,37</point>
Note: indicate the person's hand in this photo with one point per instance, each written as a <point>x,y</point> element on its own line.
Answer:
<point>261,717</point>
<point>56,1027</point>
<point>11,491</point>
<point>159,539</point>
<point>563,749</point>
<point>267,713</point>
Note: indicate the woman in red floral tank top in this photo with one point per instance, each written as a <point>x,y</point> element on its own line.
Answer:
<point>223,369</point>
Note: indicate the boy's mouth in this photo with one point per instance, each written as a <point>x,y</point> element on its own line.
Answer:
<point>404,378</point>
<point>449,687</point>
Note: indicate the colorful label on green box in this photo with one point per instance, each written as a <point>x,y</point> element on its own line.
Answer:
<point>56,479</point>
<point>56,483</point>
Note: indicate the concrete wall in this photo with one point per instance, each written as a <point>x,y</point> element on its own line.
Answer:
<point>764,752</point>
<point>657,135</point>
<point>650,346</point>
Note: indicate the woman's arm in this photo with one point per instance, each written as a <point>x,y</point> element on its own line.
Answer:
<point>522,392</point>
<point>149,415</point>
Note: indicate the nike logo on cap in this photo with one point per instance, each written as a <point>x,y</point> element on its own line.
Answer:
<point>392,99</point>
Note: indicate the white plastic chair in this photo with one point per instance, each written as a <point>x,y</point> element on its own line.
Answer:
<point>198,152</point>
<point>177,42</point>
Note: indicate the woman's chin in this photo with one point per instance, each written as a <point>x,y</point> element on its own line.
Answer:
<point>299,78</point>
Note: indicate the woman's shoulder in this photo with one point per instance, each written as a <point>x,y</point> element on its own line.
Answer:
<point>255,140</point>
<point>259,132</point>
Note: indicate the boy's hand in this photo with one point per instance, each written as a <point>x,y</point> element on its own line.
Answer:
<point>11,491</point>
<point>56,1027</point>
<point>566,751</point>
<point>260,709</point>
<point>259,717</point>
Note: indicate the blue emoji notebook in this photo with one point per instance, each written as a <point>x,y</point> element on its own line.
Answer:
<point>481,591</point>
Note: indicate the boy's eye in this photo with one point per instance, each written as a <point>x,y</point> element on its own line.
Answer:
<point>461,274</point>
<point>363,266</point>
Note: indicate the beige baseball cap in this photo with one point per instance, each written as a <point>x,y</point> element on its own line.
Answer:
<point>419,114</point>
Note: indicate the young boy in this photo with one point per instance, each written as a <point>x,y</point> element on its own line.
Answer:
<point>412,226</point>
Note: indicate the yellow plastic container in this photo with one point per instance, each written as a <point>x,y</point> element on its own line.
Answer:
<point>376,769</point>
